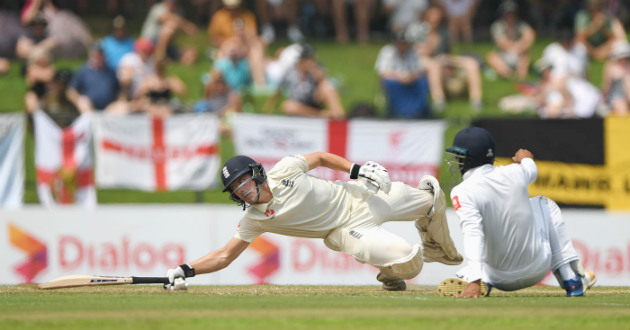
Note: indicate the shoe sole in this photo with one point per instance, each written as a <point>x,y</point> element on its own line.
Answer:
<point>454,286</point>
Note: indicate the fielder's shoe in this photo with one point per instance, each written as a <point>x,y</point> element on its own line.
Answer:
<point>433,252</point>
<point>391,284</point>
<point>574,287</point>
<point>456,286</point>
<point>589,279</point>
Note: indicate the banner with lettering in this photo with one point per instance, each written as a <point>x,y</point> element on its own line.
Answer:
<point>157,154</point>
<point>408,149</point>
<point>11,160</point>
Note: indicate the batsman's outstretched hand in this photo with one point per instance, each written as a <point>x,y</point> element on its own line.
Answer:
<point>177,277</point>
<point>374,177</point>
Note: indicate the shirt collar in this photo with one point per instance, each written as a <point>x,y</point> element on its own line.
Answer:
<point>481,169</point>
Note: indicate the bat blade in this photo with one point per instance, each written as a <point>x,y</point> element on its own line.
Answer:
<point>71,281</point>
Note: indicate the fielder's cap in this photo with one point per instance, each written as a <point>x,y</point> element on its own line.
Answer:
<point>144,44</point>
<point>620,49</point>
<point>234,168</point>
<point>63,76</point>
<point>307,51</point>
<point>232,3</point>
<point>476,145</point>
<point>541,65</point>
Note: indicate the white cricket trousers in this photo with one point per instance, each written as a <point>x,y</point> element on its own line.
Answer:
<point>364,238</point>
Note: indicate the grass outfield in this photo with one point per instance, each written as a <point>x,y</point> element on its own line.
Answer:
<point>307,307</point>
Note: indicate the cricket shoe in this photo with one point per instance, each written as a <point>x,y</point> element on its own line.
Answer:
<point>589,279</point>
<point>574,287</point>
<point>453,286</point>
<point>433,252</point>
<point>391,284</point>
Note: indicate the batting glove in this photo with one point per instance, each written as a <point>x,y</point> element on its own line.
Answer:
<point>373,176</point>
<point>177,277</point>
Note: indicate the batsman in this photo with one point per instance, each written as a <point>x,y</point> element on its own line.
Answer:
<point>348,216</point>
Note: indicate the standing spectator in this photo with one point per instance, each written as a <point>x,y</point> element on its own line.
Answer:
<point>234,21</point>
<point>135,66</point>
<point>403,80</point>
<point>164,19</point>
<point>460,14</point>
<point>597,30</point>
<point>39,73</point>
<point>95,84</point>
<point>362,13</point>
<point>616,80</point>
<point>54,100</point>
<point>71,34</point>
<point>513,39</point>
<point>309,93</point>
<point>117,44</point>
<point>442,67</point>
<point>288,8</point>
<point>35,37</point>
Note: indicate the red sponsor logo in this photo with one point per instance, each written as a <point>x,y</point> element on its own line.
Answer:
<point>269,261</point>
<point>36,253</point>
<point>456,204</point>
<point>269,213</point>
<point>74,253</point>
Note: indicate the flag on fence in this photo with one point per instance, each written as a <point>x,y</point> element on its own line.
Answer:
<point>157,154</point>
<point>11,160</point>
<point>63,161</point>
<point>408,149</point>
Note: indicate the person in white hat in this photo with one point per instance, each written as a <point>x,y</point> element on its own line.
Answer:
<point>616,80</point>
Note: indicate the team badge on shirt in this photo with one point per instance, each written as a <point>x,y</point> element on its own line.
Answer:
<point>456,204</point>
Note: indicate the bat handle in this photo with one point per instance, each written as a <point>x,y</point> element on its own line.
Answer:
<point>148,280</point>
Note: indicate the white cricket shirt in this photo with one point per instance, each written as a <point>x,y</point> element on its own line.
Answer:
<point>302,205</point>
<point>497,221</point>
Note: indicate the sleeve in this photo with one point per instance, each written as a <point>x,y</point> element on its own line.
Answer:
<point>382,60</point>
<point>472,229</point>
<point>496,31</point>
<point>248,230</point>
<point>529,169</point>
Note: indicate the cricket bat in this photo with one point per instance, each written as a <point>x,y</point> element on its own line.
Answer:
<point>71,281</point>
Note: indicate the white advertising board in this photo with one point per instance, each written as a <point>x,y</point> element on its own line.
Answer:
<point>38,244</point>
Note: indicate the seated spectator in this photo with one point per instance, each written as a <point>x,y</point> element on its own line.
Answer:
<point>446,70</point>
<point>117,44</point>
<point>95,85</point>
<point>135,66</point>
<point>267,10</point>
<point>234,69</point>
<point>460,14</point>
<point>513,39</point>
<point>54,100</point>
<point>164,19</point>
<point>35,36</point>
<point>218,98</point>
<point>566,96</point>
<point>234,21</point>
<point>403,13</point>
<point>616,80</point>
<point>566,56</point>
<point>404,83</point>
<point>156,93</point>
<point>308,91</point>
<point>285,59</point>
<point>72,36</point>
<point>597,30</point>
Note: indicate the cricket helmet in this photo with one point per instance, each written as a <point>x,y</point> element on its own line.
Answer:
<point>472,147</point>
<point>238,166</point>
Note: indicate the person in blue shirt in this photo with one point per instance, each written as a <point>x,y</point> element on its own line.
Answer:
<point>95,85</point>
<point>117,44</point>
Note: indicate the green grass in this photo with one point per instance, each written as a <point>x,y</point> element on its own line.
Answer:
<point>352,66</point>
<point>307,307</point>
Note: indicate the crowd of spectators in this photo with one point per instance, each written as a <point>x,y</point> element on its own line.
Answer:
<point>126,71</point>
